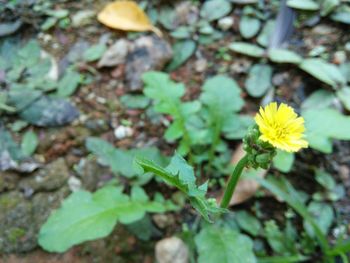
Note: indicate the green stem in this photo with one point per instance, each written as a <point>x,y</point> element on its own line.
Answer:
<point>233,182</point>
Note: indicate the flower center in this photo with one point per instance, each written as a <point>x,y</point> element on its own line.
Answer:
<point>279,131</point>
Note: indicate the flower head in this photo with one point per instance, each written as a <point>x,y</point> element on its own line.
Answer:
<point>281,127</point>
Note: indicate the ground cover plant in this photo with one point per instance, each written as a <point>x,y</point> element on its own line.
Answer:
<point>182,131</point>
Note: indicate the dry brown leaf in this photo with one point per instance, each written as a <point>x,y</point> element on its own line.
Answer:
<point>126,15</point>
<point>245,188</point>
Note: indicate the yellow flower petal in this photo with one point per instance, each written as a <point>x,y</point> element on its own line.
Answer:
<point>281,127</point>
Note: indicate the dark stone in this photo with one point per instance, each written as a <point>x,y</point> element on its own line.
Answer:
<point>148,53</point>
<point>21,219</point>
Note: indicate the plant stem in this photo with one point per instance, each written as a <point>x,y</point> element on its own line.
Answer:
<point>231,185</point>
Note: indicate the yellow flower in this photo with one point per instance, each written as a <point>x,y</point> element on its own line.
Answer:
<point>281,127</point>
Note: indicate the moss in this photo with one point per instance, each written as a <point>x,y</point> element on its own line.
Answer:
<point>8,201</point>
<point>15,234</point>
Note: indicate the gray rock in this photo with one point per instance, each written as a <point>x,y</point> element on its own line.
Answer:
<point>149,53</point>
<point>171,250</point>
<point>115,54</point>
<point>8,181</point>
<point>51,177</point>
<point>21,219</point>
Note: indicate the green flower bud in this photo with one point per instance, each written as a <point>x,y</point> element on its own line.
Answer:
<point>260,153</point>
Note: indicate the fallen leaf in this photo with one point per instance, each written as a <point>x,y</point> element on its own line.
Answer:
<point>246,187</point>
<point>127,16</point>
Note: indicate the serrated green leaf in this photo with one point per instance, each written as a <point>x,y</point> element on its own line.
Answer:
<point>29,143</point>
<point>167,99</point>
<point>259,80</point>
<point>223,245</point>
<point>284,56</point>
<point>181,175</point>
<point>324,71</point>
<point>165,92</point>
<point>247,49</point>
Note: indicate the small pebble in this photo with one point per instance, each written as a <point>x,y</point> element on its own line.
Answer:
<point>74,183</point>
<point>201,65</point>
<point>171,250</point>
<point>225,23</point>
<point>122,132</point>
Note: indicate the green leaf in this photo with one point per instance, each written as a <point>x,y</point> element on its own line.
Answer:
<point>134,101</point>
<point>7,144</point>
<point>325,179</point>
<point>319,99</point>
<point>248,222</point>
<point>29,55</point>
<point>68,84</point>
<point>345,70</point>
<point>222,95</point>
<point>285,191</point>
<point>328,6</point>
<point>323,125</point>
<point>236,127</point>
<point>275,237</point>
<point>180,175</point>
<point>29,143</point>
<point>94,52</point>
<point>167,17</point>
<point>182,32</point>
<point>284,56</point>
<point>323,215</point>
<point>283,161</point>
<point>167,99</point>
<point>215,9</point>
<point>259,80</point>
<point>84,216</point>
<point>324,71</point>
<point>223,245</point>
<point>303,4</point>
<point>342,14</point>
<point>165,92</point>
<point>265,35</point>
<point>247,49</point>
<point>249,26</point>
<point>120,161</point>
<point>344,96</point>
<point>182,51</point>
